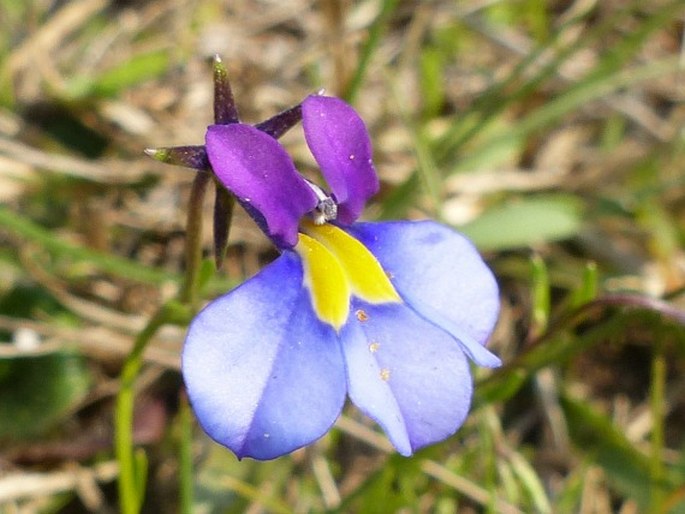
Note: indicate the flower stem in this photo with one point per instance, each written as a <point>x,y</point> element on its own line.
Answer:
<point>188,293</point>
<point>132,469</point>
<point>131,485</point>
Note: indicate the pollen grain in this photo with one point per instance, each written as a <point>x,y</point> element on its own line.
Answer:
<point>361,315</point>
<point>385,374</point>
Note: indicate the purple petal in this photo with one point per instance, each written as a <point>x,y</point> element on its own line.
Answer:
<point>263,374</point>
<point>406,374</point>
<point>441,276</point>
<point>259,172</point>
<point>340,143</point>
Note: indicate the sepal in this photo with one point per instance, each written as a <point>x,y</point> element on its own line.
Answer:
<point>192,156</point>
<point>225,111</point>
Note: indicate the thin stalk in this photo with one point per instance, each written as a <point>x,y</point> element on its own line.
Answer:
<point>131,491</point>
<point>188,293</point>
<point>131,479</point>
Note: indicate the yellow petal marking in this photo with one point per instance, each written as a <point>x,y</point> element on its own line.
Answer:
<point>328,285</point>
<point>367,278</point>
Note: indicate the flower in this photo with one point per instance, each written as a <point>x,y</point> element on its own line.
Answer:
<point>387,313</point>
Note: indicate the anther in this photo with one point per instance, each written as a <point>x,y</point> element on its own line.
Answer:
<point>326,209</point>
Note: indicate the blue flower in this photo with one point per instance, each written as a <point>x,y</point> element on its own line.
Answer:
<point>386,313</point>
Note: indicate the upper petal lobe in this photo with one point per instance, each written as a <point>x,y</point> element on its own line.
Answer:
<point>339,141</point>
<point>259,172</point>
<point>441,276</point>
<point>263,374</point>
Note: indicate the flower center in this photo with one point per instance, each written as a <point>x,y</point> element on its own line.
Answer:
<point>336,266</point>
<point>326,209</point>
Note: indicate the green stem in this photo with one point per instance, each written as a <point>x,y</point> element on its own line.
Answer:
<point>131,489</point>
<point>131,474</point>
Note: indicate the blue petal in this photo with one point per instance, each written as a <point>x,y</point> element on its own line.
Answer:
<point>406,374</point>
<point>263,374</point>
<point>441,276</point>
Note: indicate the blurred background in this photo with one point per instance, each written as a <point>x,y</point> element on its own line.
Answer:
<point>550,132</point>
